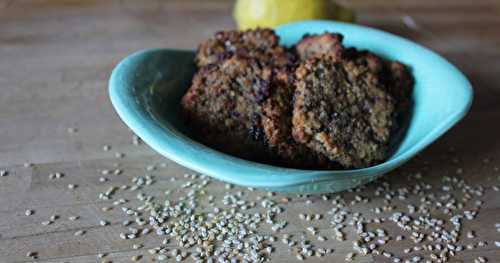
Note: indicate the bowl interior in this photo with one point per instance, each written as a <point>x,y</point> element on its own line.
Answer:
<point>146,88</point>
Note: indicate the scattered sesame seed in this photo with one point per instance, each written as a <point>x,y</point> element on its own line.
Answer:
<point>32,254</point>
<point>137,246</point>
<point>136,140</point>
<point>106,208</point>
<point>350,256</point>
<point>226,228</point>
<point>79,233</point>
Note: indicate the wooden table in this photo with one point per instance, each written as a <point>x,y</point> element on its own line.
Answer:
<point>55,60</point>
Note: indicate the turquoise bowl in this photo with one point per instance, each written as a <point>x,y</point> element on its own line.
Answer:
<point>146,87</point>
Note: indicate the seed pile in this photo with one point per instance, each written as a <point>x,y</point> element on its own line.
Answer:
<point>195,218</point>
<point>231,228</point>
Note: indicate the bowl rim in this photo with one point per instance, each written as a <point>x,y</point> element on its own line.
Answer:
<point>167,143</point>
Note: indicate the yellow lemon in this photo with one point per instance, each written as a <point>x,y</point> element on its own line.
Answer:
<point>271,13</point>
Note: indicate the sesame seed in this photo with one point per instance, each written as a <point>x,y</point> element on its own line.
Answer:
<point>137,246</point>
<point>136,140</point>
<point>349,256</point>
<point>106,208</point>
<point>79,233</point>
<point>28,212</point>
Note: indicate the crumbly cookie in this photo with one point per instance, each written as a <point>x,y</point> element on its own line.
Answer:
<point>342,111</point>
<point>260,44</point>
<point>395,76</point>
<point>244,108</point>
<point>327,44</point>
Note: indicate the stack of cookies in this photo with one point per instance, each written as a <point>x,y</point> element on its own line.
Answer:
<point>316,105</point>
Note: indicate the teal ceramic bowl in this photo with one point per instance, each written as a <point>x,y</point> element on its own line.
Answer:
<point>146,87</point>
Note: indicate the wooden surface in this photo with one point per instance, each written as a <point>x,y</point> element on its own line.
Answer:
<point>55,59</point>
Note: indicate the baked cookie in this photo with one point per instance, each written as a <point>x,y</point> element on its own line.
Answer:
<point>260,44</point>
<point>395,76</point>
<point>342,111</point>
<point>244,108</point>
<point>326,44</point>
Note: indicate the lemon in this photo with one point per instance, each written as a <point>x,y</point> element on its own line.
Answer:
<point>271,13</point>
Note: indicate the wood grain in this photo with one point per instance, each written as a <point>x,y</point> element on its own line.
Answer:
<point>55,59</point>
